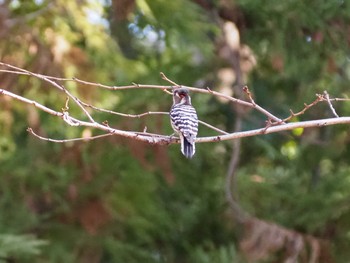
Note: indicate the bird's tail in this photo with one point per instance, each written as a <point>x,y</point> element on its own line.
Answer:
<point>188,149</point>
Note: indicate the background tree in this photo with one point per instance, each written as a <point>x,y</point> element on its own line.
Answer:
<point>119,200</point>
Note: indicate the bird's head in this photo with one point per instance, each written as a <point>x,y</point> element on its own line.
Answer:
<point>181,95</point>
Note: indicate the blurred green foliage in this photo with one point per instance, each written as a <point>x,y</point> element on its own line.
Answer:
<point>19,246</point>
<point>115,200</point>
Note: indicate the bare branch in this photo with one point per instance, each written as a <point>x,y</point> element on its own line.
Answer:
<point>212,127</point>
<point>34,103</point>
<point>146,137</point>
<point>249,94</point>
<point>277,126</point>
<point>168,80</point>
<point>340,99</point>
<point>238,101</point>
<point>318,99</point>
<point>148,113</point>
<point>60,87</point>
<point>30,130</point>
<point>330,104</point>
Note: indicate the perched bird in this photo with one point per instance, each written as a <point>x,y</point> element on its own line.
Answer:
<point>184,120</point>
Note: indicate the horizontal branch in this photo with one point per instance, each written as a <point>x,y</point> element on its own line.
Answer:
<point>164,139</point>
<point>278,128</point>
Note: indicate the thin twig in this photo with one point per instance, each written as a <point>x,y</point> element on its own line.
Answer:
<point>340,99</point>
<point>238,101</point>
<point>249,94</point>
<point>146,137</point>
<point>55,84</point>
<point>168,80</point>
<point>148,113</point>
<point>212,127</point>
<point>31,102</point>
<point>330,104</point>
<point>30,130</point>
<point>318,99</point>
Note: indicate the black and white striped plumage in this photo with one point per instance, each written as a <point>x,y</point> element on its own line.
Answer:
<point>184,121</point>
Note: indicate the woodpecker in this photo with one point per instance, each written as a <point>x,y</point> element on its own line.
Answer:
<point>184,120</point>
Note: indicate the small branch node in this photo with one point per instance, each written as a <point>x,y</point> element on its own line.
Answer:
<point>320,97</point>
<point>209,89</point>
<point>249,94</point>
<point>69,120</point>
<point>269,124</point>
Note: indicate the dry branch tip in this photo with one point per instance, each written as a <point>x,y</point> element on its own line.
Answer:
<point>167,91</point>
<point>66,106</point>
<point>168,80</point>
<point>249,94</point>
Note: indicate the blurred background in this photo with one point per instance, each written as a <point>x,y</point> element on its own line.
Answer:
<point>119,200</point>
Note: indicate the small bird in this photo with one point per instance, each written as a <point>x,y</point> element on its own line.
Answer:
<point>184,120</point>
